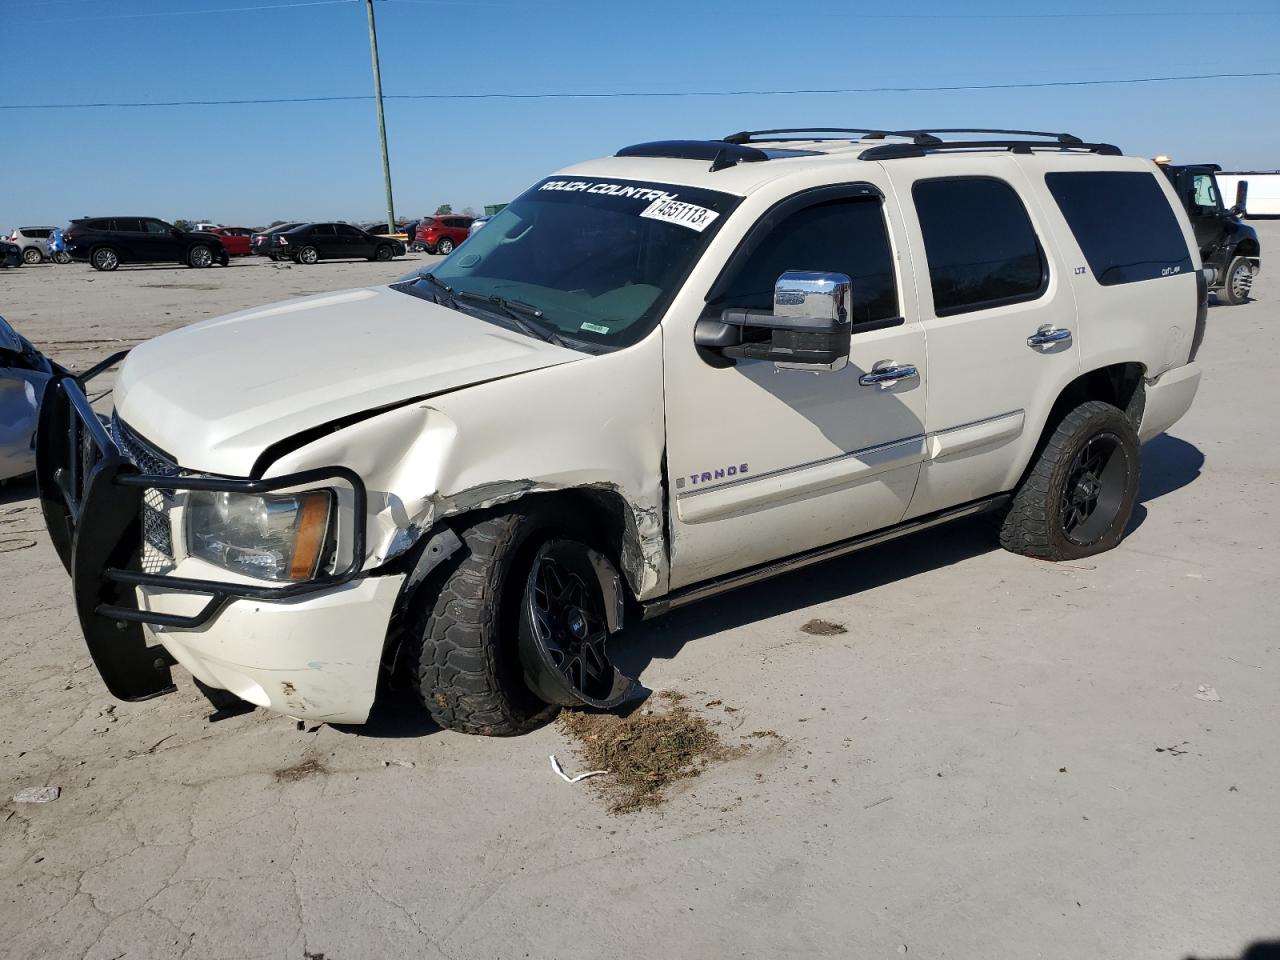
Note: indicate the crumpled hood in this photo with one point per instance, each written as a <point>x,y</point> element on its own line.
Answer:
<point>215,394</point>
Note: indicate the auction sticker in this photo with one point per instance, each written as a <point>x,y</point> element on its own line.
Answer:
<point>677,211</point>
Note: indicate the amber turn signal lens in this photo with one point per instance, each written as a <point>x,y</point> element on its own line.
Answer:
<point>308,545</point>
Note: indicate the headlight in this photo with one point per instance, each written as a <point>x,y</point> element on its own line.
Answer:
<point>271,537</point>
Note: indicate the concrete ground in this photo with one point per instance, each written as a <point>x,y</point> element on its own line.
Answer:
<point>1001,758</point>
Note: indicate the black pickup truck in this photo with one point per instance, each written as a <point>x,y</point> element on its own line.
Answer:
<point>1228,246</point>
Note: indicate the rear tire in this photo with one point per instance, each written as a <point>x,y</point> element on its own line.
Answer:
<point>444,247</point>
<point>32,256</point>
<point>1237,282</point>
<point>104,258</point>
<point>464,653</point>
<point>1079,494</point>
<point>307,255</point>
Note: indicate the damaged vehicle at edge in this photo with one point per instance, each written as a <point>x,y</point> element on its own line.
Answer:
<point>24,374</point>
<point>650,379</point>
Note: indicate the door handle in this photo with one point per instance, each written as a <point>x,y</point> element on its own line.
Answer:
<point>1048,334</point>
<point>888,375</point>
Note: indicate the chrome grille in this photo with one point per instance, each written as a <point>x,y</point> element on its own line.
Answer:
<point>157,533</point>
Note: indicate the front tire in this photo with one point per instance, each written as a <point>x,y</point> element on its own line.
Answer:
<point>1237,282</point>
<point>31,256</point>
<point>104,258</point>
<point>465,656</point>
<point>200,256</point>
<point>1079,494</point>
<point>383,253</point>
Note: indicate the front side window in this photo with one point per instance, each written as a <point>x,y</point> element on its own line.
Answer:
<point>599,258</point>
<point>1123,223</point>
<point>158,227</point>
<point>1204,192</point>
<point>838,236</point>
<point>979,242</point>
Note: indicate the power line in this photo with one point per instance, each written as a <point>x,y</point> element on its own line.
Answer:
<point>637,94</point>
<point>188,13</point>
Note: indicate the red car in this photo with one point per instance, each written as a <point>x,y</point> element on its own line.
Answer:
<point>441,234</point>
<point>235,240</point>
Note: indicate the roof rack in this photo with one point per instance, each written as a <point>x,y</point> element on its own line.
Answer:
<point>918,148</point>
<point>721,153</point>
<point>919,136</point>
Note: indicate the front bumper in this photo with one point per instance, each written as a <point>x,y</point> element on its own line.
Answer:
<point>230,635</point>
<point>315,657</point>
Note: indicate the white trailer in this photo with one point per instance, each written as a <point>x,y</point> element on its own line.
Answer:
<point>1264,190</point>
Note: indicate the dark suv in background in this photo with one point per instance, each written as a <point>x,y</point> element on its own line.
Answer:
<point>312,242</point>
<point>107,242</point>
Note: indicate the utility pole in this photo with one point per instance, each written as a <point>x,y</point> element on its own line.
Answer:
<point>382,124</point>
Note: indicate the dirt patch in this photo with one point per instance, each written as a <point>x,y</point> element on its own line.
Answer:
<point>645,752</point>
<point>300,771</point>
<point>824,628</point>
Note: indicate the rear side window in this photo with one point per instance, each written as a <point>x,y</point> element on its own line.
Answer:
<point>1123,224</point>
<point>128,224</point>
<point>35,233</point>
<point>981,247</point>
<point>323,230</point>
<point>839,236</point>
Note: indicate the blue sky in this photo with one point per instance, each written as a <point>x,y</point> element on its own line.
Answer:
<point>255,163</point>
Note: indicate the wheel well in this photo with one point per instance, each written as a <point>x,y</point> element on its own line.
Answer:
<point>1119,385</point>
<point>1248,248</point>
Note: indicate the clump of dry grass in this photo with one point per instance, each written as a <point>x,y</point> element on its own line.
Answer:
<point>645,752</point>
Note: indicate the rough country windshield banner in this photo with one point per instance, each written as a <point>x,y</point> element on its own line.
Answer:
<point>688,207</point>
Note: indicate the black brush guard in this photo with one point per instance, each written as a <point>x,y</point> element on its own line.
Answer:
<point>91,495</point>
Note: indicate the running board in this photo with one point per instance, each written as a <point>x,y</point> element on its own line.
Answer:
<point>711,588</point>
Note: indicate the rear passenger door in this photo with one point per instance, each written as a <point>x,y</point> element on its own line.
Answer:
<point>999,320</point>
<point>324,237</point>
<point>132,240</point>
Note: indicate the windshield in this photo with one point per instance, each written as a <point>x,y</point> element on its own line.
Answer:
<point>599,258</point>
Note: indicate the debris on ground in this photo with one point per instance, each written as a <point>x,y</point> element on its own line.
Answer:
<point>398,763</point>
<point>1208,694</point>
<point>761,734</point>
<point>1176,749</point>
<point>300,771</point>
<point>646,752</point>
<point>824,628</point>
<point>37,795</point>
<point>576,778</point>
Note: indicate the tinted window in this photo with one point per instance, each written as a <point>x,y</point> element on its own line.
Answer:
<point>36,233</point>
<point>157,227</point>
<point>346,230</point>
<point>128,224</point>
<point>98,224</point>
<point>1123,223</point>
<point>322,230</point>
<point>840,236</point>
<point>981,247</point>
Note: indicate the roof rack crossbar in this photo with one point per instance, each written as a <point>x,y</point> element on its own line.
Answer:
<point>893,151</point>
<point>920,136</point>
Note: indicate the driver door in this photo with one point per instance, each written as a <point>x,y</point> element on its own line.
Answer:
<point>766,462</point>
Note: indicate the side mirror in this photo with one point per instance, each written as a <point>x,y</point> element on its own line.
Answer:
<point>808,329</point>
<point>1242,194</point>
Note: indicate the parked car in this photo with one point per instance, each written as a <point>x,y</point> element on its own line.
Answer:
<point>32,241</point>
<point>24,373</point>
<point>260,243</point>
<point>655,378</point>
<point>107,242</point>
<point>204,226</point>
<point>442,234</point>
<point>477,223</point>
<point>379,229</point>
<point>235,240</point>
<point>10,254</point>
<point>312,242</point>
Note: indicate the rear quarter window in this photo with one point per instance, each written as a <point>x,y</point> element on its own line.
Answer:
<point>1123,223</point>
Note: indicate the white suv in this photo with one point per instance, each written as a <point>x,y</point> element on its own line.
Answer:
<point>652,378</point>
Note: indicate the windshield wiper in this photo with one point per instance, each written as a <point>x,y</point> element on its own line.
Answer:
<point>438,284</point>
<point>520,314</point>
